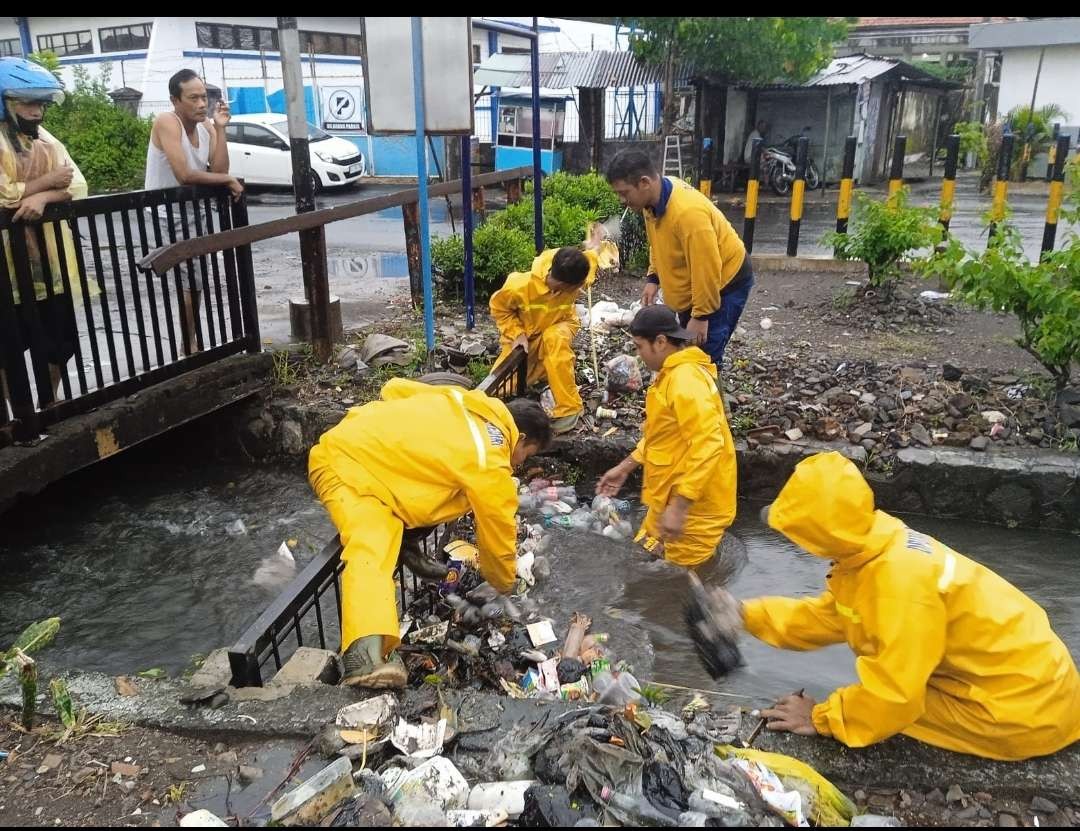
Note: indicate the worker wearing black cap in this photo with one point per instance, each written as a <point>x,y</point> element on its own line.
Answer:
<point>686,446</point>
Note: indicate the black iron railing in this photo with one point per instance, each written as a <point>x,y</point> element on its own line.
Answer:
<point>82,324</point>
<point>508,379</point>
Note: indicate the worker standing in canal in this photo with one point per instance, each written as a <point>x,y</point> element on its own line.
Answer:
<point>949,653</point>
<point>686,446</point>
<point>535,310</point>
<point>695,256</point>
<point>419,456</point>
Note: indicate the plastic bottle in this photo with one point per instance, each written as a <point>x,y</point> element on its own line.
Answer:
<point>537,485</point>
<point>561,521</point>
<point>638,809</point>
<point>528,503</point>
<point>581,519</point>
<point>566,493</point>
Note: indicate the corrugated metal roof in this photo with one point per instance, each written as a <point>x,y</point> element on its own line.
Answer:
<point>851,70</point>
<point>563,70</point>
<point>854,69</point>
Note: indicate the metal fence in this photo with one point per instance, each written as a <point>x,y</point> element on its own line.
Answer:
<point>81,324</point>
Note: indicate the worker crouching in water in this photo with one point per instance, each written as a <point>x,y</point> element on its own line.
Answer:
<point>686,446</point>
<point>420,456</point>
<point>949,653</point>
<point>535,310</point>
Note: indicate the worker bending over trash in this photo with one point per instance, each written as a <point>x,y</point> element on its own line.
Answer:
<point>949,653</point>
<point>420,456</point>
<point>686,446</point>
<point>535,310</point>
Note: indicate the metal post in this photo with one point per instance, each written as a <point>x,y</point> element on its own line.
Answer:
<point>313,242</point>
<point>948,183</point>
<point>1052,155</point>
<point>896,171</point>
<point>1001,186</point>
<point>752,185</point>
<point>410,218</point>
<point>934,135</point>
<point>538,172</point>
<point>847,185</point>
<point>798,190</point>
<point>421,178</point>
<point>467,197</point>
<point>1057,185</point>
<point>825,148</point>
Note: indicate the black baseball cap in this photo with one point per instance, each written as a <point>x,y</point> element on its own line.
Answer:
<point>658,319</point>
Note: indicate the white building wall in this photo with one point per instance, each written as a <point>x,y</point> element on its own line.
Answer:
<point>1059,80</point>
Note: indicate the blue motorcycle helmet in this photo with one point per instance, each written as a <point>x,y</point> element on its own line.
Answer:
<point>23,80</point>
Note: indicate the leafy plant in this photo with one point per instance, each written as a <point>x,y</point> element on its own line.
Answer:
<point>972,140</point>
<point>590,191</point>
<point>884,234</point>
<point>107,142</point>
<point>1044,296</point>
<point>496,252</point>
<point>654,695</point>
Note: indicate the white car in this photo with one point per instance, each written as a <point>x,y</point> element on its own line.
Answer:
<point>259,153</point>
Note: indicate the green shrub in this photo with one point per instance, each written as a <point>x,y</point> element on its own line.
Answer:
<point>884,234</point>
<point>564,223</point>
<point>496,252</point>
<point>589,190</point>
<point>1044,296</point>
<point>107,142</point>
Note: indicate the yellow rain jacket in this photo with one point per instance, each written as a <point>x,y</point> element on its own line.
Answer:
<point>46,155</point>
<point>420,456</point>
<point>526,306</point>
<point>686,449</point>
<point>693,250</point>
<point>949,653</point>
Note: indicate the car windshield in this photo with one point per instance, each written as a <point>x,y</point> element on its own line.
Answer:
<point>313,133</point>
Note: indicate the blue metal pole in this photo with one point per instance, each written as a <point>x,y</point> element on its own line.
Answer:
<point>538,172</point>
<point>24,36</point>
<point>422,177</point>
<point>467,214</point>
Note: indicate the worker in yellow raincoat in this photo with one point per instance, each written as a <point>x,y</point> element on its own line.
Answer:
<point>686,446</point>
<point>949,653</point>
<point>420,456</point>
<point>36,171</point>
<point>535,310</point>
<point>695,257</point>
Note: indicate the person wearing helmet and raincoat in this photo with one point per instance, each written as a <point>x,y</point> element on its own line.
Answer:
<point>948,652</point>
<point>686,447</point>
<point>535,310</point>
<point>419,456</point>
<point>36,171</point>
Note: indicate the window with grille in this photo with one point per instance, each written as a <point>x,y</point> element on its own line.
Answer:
<point>122,38</point>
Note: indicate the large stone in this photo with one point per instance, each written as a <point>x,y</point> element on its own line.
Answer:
<point>214,672</point>
<point>932,405</point>
<point>202,819</point>
<point>292,438</point>
<point>921,435</point>
<point>979,443</point>
<point>951,373</point>
<point>309,666</point>
<point>312,800</point>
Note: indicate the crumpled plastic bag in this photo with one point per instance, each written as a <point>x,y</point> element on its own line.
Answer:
<point>592,764</point>
<point>823,802</point>
<point>624,374</point>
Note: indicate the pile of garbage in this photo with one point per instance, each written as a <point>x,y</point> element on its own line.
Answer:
<point>557,767</point>
<point>556,504</point>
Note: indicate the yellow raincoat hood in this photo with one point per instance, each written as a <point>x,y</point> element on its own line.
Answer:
<point>827,508</point>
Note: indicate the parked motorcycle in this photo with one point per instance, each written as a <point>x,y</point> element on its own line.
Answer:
<point>778,167</point>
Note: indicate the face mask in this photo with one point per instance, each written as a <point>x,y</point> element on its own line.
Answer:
<point>27,127</point>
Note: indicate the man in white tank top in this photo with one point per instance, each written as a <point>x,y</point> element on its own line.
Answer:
<point>188,148</point>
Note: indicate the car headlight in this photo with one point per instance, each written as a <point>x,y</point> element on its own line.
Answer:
<point>326,157</point>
